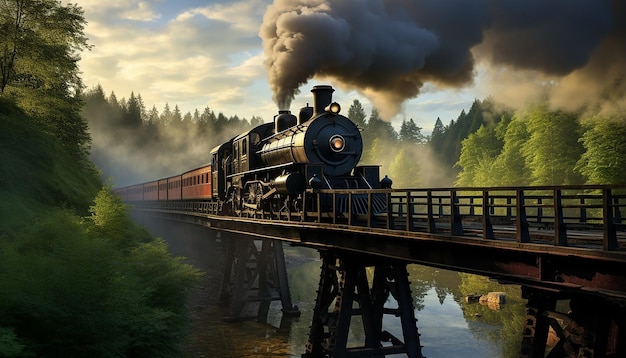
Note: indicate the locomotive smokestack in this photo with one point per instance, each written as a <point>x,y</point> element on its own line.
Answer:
<point>322,97</point>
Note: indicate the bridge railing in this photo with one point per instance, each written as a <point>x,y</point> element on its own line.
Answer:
<point>585,216</point>
<point>563,216</point>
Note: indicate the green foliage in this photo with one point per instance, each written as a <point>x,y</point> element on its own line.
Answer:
<point>446,141</point>
<point>168,278</point>
<point>36,172</point>
<point>510,167</point>
<point>478,154</point>
<point>411,133</point>
<point>73,286</point>
<point>604,160</point>
<point>9,346</point>
<point>552,149</point>
<point>110,219</point>
<point>69,291</point>
<point>404,169</point>
<point>125,135</point>
<point>41,41</point>
<point>356,113</point>
<point>60,288</point>
<point>545,147</point>
<point>375,151</point>
<point>379,128</point>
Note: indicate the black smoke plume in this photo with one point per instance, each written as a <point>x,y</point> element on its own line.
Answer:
<point>388,49</point>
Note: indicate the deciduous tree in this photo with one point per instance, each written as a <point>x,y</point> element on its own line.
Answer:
<point>40,46</point>
<point>604,160</point>
<point>552,149</point>
<point>478,152</point>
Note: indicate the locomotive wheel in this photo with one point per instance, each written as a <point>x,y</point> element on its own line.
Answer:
<point>236,200</point>
<point>253,200</point>
<point>255,193</point>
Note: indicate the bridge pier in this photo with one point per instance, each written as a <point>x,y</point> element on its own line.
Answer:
<point>255,272</point>
<point>344,281</point>
<point>592,327</point>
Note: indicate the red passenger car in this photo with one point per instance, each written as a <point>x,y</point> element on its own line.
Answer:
<point>163,189</point>
<point>150,191</point>
<point>131,193</point>
<point>174,188</point>
<point>196,183</point>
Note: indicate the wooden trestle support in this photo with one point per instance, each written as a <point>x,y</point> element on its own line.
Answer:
<point>255,272</point>
<point>593,327</point>
<point>344,282</point>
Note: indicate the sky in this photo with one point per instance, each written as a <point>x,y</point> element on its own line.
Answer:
<point>196,54</point>
<point>418,59</point>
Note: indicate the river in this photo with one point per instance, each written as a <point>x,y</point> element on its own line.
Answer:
<point>449,326</point>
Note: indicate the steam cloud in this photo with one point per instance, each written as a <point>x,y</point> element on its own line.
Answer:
<point>388,49</point>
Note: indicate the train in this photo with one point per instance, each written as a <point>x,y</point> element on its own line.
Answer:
<point>271,167</point>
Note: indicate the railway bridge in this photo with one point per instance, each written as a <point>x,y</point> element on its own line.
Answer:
<point>558,243</point>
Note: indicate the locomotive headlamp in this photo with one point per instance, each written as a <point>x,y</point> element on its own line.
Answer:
<point>337,143</point>
<point>333,108</point>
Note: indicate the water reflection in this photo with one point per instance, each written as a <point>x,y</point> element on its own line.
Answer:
<point>449,326</point>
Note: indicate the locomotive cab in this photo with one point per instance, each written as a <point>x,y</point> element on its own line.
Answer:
<point>221,163</point>
<point>245,146</point>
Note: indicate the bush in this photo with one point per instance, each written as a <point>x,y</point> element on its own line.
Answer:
<point>70,292</point>
<point>36,172</point>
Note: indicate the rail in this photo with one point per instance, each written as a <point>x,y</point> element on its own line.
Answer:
<point>575,216</point>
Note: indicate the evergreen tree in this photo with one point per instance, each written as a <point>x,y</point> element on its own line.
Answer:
<point>256,121</point>
<point>153,116</point>
<point>187,118</point>
<point>134,112</point>
<point>177,117</point>
<point>96,100</point>
<point>167,115</point>
<point>220,122</point>
<point>410,133</point>
<point>437,136</point>
<point>377,127</point>
<point>356,113</point>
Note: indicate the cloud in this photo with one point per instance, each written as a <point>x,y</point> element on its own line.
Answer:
<point>389,49</point>
<point>121,10</point>
<point>193,57</point>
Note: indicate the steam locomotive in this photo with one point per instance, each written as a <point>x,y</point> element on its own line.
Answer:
<point>272,166</point>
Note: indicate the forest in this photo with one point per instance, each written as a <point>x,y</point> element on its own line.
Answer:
<point>78,277</point>
<point>489,145</point>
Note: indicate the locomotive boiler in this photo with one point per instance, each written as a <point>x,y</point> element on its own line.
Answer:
<point>277,162</point>
<point>321,136</point>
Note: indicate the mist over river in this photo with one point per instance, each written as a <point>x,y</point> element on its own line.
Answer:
<point>448,325</point>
